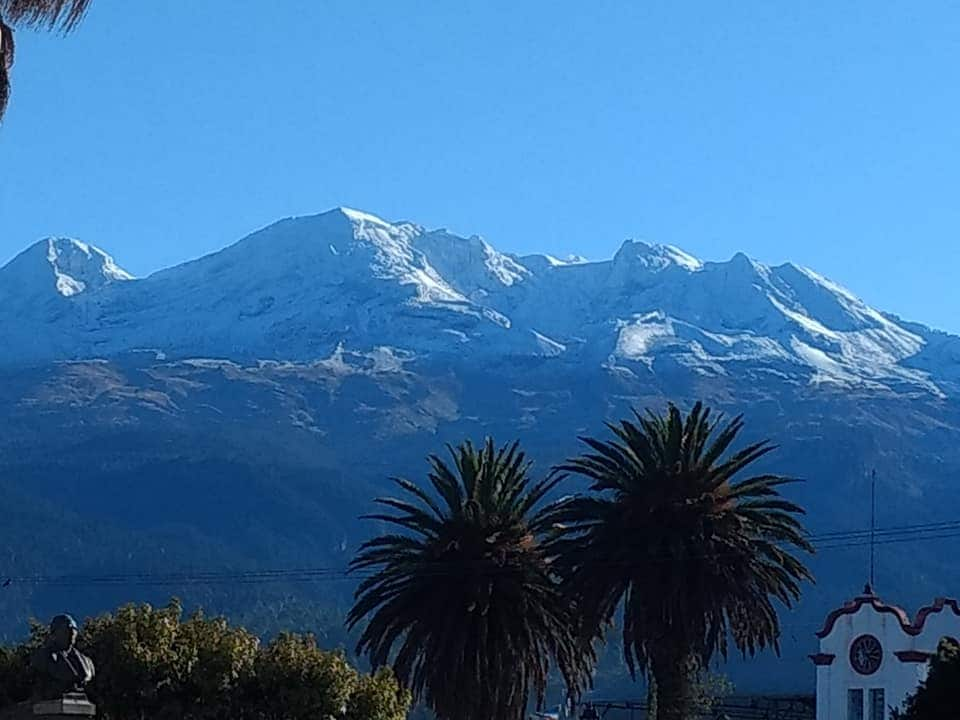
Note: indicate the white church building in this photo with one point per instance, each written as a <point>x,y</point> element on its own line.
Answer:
<point>872,655</point>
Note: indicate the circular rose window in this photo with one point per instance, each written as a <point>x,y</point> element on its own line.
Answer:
<point>866,654</point>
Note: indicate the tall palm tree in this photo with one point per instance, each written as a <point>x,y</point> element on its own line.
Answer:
<point>691,554</point>
<point>48,14</point>
<point>463,598</point>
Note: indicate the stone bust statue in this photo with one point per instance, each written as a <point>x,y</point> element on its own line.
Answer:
<point>62,669</point>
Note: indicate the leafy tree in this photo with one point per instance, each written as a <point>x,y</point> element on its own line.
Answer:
<point>16,679</point>
<point>378,697</point>
<point>464,597</point>
<point>709,690</point>
<point>16,676</point>
<point>50,14</point>
<point>938,697</point>
<point>154,663</point>
<point>295,679</point>
<point>691,554</point>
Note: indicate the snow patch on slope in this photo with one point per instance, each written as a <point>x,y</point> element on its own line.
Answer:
<point>502,267</point>
<point>637,339</point>
<point>396,258</point>
<point>77,265</point>
<point>548,347</point>
<point>558,262</point>
<point>471,265</point>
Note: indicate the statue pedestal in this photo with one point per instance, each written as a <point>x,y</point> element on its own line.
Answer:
<point>69,706</point>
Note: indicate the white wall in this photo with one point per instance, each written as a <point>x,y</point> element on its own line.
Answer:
<point>896,677</point>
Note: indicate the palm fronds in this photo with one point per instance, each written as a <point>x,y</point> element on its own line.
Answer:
<point>47,14</point>
<point>6,62</point>
<point>691,554</point>
<point>462,598</point>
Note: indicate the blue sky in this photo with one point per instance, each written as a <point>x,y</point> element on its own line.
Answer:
<point>819,132</point>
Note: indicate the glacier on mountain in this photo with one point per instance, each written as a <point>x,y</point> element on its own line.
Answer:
<point>303,287</point>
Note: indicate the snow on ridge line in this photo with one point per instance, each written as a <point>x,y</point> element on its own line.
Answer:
<point>361,216</point>
<point>507,270</point>
<point>56,246</point>
<point>399,256</point>
<point>554,261</point>
<point>684,259</point>
<point>655,256</point>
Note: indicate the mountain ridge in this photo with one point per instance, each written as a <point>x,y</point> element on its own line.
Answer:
<point>302,286</point>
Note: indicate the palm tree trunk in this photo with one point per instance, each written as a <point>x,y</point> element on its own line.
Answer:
<point>651,696</point>
<point>675,676</point>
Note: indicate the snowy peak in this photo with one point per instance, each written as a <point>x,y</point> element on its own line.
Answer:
<point>655,258</point>
<point>790,319</point>
<point>361,217</point>
<point>437,266</point>
<point>746,266</point>
<point>468,265</point>
<point>301,286</point>
<point>59,267</point>
<point>824,299</point>
<point>320,251</point>
<point>78,266</point>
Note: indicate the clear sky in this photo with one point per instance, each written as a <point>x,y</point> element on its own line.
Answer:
<point>820,132</point>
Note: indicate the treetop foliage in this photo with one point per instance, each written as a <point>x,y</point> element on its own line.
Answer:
<point>155,663</point>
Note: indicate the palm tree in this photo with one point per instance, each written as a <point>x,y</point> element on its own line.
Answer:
<point>692,555</point>
<point>49,14</point>
<point>464,598</point>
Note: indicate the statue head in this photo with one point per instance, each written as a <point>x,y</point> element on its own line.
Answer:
<point>63,632</point>
<point>61,668</point>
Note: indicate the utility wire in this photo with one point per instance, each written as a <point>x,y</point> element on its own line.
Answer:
<point>824,541</point>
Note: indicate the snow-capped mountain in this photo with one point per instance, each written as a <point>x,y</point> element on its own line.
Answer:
<point>291,373</point>
<point>302,287</point>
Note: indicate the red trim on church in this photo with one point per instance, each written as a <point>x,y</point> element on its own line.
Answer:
<point>822,659</point>
<point>938,605</point>
<point>917,656</point>
<point>910,628</point>
<point>854,606</point>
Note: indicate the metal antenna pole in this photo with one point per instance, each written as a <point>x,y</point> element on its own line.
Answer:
<point>873,526</point>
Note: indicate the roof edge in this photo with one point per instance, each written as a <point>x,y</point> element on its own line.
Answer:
<point>910,628</point>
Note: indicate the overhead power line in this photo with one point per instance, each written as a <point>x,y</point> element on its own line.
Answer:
<point>823,542</point>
